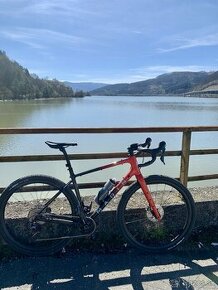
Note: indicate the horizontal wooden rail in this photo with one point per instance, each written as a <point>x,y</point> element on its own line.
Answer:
<point>105,130</point>
<point>203,177</point>
<point>91,185</point>
<point>185,152</point>
<point>88,156</point>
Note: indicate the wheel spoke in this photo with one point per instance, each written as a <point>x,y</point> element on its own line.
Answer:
<point>19,215</point>
<point>139,225</point>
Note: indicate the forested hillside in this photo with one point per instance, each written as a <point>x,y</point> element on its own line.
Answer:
<point>210,83</point>
<point>17,83</point>
<point>176,83</point>
<point>166,84</point>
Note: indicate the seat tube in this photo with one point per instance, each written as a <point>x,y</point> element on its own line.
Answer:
<point>148,196</point>
<point>72,175</point>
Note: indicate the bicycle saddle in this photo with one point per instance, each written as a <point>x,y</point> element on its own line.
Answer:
<point>56,145</point>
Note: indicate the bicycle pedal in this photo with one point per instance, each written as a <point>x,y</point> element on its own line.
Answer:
<point>87,208</point>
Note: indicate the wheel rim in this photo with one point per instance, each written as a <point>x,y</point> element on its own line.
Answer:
<point>142,228</point>
<point>20,217</point>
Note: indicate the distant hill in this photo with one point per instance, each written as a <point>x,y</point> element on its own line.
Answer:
<point>208,88</point>
<point>210,83</point>
<point>17,83</point>
<point>175,83</point>
<point>85,86</point>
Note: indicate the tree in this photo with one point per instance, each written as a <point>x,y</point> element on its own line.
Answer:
<point>17,83</point>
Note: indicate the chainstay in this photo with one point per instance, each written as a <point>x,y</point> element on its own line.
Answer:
<point>72,236</point>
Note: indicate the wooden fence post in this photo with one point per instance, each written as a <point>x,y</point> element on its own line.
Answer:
<point>186,144</point>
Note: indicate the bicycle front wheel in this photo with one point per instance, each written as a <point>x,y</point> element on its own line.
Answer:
<point>139,226</point>
<point>20,204</point>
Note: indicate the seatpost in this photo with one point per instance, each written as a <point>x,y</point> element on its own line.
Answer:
<point>68,164</point>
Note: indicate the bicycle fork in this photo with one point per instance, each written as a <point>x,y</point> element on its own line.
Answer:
<point>148,196</point>
<point>135,170</point>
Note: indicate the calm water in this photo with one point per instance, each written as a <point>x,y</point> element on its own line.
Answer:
<point>106,112</point>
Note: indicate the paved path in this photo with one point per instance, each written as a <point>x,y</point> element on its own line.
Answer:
<point>127,271</point>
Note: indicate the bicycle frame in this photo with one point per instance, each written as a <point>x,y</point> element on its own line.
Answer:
<point>134,171</point>
<point>55,204</point>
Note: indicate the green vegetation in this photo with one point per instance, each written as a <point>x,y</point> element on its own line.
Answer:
<point>176,83</point>
<point>16,83</point>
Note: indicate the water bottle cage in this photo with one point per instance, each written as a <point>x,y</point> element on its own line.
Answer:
<point>105,191</point>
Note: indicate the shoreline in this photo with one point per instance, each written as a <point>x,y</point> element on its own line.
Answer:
<point>117,95</point>
<point>39,99</point>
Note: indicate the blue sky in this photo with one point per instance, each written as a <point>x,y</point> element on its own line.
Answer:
<point>110,41</point>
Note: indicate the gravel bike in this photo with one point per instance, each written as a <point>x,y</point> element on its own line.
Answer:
<point>39,213</point>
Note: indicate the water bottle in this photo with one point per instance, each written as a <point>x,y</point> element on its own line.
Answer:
<point>105,190</point>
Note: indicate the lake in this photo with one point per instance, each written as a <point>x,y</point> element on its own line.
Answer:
<point>97,111</point>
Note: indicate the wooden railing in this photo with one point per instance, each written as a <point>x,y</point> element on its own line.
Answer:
<point>185,152</point>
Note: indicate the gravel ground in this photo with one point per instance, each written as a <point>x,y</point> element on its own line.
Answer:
<point>199,194</point>
<point>204,193</point>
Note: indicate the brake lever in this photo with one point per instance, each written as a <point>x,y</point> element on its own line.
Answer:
<point>162,148</point>
<point>147,143</point>
<point>162,159</point>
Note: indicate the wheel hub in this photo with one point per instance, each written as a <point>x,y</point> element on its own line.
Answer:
<point>34,212</point>
<point>150,214</point>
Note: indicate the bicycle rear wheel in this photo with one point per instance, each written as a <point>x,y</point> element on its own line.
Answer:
<point>19,205</point>
<point>139,226</point>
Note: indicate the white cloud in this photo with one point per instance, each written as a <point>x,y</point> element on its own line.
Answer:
<point>143,73</point>
<point>138,74</point>
<point>40,38</point>
<point>66,8</point>
<point>185,43</point>
<point>149,72</point>
<point>172,68</point>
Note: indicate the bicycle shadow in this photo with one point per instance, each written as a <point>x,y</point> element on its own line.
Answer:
<point>126,270</point>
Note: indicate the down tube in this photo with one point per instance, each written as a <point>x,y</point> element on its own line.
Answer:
<point>118,186</point>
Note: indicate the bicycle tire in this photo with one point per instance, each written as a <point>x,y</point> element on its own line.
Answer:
<point>17,204</point>
<point>141,229</point>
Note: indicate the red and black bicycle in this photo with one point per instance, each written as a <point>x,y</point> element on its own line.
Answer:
<point>39,214</point>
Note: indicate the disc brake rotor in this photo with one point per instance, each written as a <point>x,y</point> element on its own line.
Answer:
<point>151,216</point>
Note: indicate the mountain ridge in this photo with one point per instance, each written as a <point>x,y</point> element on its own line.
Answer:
<point>17,83</point>
<point>175,83</point>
